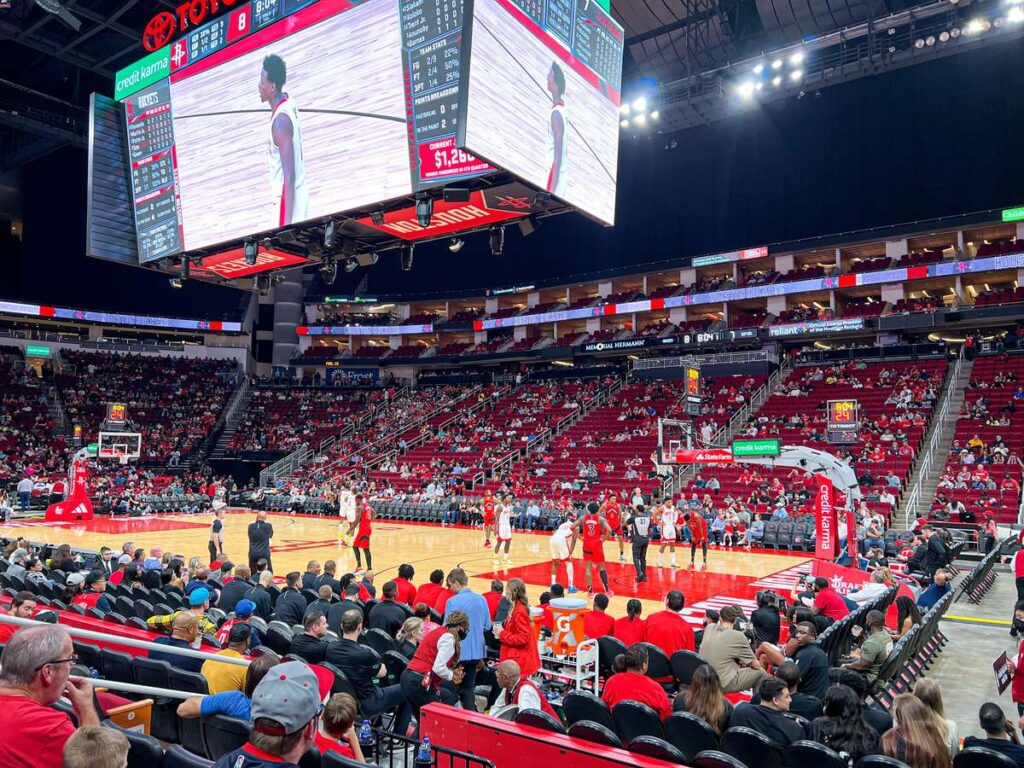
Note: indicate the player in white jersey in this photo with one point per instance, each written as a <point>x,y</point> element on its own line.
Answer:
<point>286,164</point>
<point>562,543</point>
<point>668,523</point>
<point>558,129</point>
<point>504,510</point>
<point>347,514</point>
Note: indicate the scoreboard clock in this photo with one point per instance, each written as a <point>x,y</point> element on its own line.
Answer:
<point>694,398</point>
<point>117,414</point>
<point>843,425</point>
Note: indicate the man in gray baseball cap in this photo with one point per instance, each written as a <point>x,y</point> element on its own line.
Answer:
<point>285,706</point>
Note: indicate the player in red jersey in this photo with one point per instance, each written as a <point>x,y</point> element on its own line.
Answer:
<point>362,540</point>
<point>613,516</point>
<point>488,506</point>
<point>698,527</point>
<point>593,530</point>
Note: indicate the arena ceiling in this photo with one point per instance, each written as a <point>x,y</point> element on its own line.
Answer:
<point>49,68</point>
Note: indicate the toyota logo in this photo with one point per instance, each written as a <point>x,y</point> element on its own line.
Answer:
<point>159,31</point>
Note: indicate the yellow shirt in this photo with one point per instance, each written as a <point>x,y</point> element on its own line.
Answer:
<point>224,677</point>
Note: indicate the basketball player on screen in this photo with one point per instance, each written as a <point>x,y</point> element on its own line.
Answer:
<point>558,141</point>
<point>287,168</point>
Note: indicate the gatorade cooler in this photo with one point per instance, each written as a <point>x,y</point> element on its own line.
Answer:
<point>567,614</point>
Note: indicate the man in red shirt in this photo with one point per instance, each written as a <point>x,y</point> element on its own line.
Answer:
<point>668,630</point>
<point>406,590</point>
<point>493,597</point>
<point>593,530</point>
<point>22,607</point>
<point>37,666</point>
<point>597,623</point>
<point>635,685</point>
<point>828,601</point>
<point>698,527</point>
<point>429,592</point>
<point>613,516</point>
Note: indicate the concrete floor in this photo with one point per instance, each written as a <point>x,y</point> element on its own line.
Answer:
<point>977,635</point>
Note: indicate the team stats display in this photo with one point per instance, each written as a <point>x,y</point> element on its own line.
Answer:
<point>543,96</point>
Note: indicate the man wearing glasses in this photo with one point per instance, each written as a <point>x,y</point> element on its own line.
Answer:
<point>36,672</point>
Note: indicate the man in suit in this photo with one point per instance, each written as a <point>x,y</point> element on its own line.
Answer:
<point>291,605</point>
<point>311,645</point>
<point>311,577</point>
<point>329,577</point>
<point>235,589</point>
<point>261,596</point>
<point>388,614</point>
<point>349,602</point>
<point>322,603</point>
<point>105,564</point>
<point>260,534</point>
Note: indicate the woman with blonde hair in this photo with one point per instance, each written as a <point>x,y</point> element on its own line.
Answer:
<point>409,636</point>
<point>927,690</point>
<point>916,737</point>
<point>193,566</point>
<point>516,635</point>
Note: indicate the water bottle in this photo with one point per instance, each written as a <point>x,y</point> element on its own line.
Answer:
<point>423,755</point>
<point>366,741</point>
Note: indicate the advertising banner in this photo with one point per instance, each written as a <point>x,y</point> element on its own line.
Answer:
<point>827,539</point>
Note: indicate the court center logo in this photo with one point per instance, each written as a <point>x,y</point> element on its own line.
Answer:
<point>159,31</point>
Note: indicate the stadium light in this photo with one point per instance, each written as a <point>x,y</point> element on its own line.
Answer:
<point>624,109</point>
<point>796,74</point>
<point>1015,15</point>
<point>456,244</point>
<point>250,248</point>
<point>930,40</point>
<point>758,69</point>
<point>329,230</point>
<point>640,119</point>
<point>796,59</point>
<point>745,90</point>
<point>408,252</point>
<point>424,210</point>
<point>640,105</point>
<point>777,64</point>
<point>351,265</point>
<point>624,123</point>
<point>377,217</point>
<point>655,115</point>
<point>777,81</point>
<point>497,240</point>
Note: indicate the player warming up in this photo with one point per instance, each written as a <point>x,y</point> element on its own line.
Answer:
<point>347,516</point>
<point>362,540</point>
<point>698,536</point>
<point>488,506</point>
<point>613,515</point>
<point>504,509</point>
<point>593,529</point>
<point>562,543</point>
<point>558,140</point>
<point>668,521</point>
<point>287,168</point>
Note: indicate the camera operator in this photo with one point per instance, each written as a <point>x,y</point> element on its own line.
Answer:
<point>765,620</point>
<point>728,651</point>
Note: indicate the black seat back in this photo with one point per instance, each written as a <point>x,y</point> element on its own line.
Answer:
<point>379,640</point>
<point>657,662</point>
<point>117,665</point>
<point>880,761</point>
<point>189,728</point>
<point>535,718</point>
<point>811,754</point>
<point>222,734</point>
<point>715,759</point>
<point>595,732</point>
<point>143,751</point>
<point>652,746</point>
<point>583,705</point>
<point>689,734</point>
<point>684,664</point>
<point>752,748</point>
<point>981,757</point>
<point>608,648</point>
<point>177,756</point>
<point>633,719</point>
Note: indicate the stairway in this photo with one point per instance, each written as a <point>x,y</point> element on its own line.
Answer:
<point>924,480</point>
<point>237,406</point>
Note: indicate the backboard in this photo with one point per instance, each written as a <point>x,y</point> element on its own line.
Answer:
<point>673,435</point>
<point>119,445</point>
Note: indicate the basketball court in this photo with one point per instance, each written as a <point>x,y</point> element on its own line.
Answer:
<point>732,576</point>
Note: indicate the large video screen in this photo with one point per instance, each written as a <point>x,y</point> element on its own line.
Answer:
<point>543,96</point>
<point>297,121</point>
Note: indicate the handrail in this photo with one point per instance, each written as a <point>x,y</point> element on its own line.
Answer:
<point>753,356</point>
<point>107,637</point>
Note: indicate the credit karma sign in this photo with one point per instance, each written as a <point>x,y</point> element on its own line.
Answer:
<point>770,447</point>
<point>142,73</point>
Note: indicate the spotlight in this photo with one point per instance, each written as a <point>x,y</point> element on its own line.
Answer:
<point>758,69</point>
<point>176,282</point>
<point>329,270</point>
<point>977,26</point>
<point>497,240</point>
<point>655,115</point>
<point>250,248</point>
<point>777,81</point>
<point>943,37</point>
<point>640,119</point>
<point>456,244</point>
<point>777,64</point>
<point>892,31</point>
<point>329,230</point>
<point>624,109</point>
<point>407,256</point>
<point>528,226</point>
<point>1015,15</point>
<point>640,105</point>
<point>745,90</point>
<point>919,43</point>
<point>954,32</point>
<point>424,210</point>
<point>796,59</point>
<point>930,40</point>
<point>351,265</point>
<point>377,217</point>
<point>892,49</point>
<point>758,86</point>
<point>624,123</point>
<point>796,74</point>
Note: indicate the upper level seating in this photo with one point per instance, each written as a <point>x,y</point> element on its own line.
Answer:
<point>739,318</point>
<point>914,305</point>
<point>454,348</point>
<point>665,292</point>
<point>999,248</point>
<point>549,306</point>
<point>334,315</point>
<point>662,328</point>
<point>489,347</point>
<point>524,344</point>
<point>372,351</point>
<point>284,418</point>
<point>621,297</point>
<point>709,283</point>
<point>423,318</point>
<point>799,315</point>
<point>606,335</point>
<point>989,436</point>
<point>803,273</point>
<point>864,308</point>
<point>928,256</point>
<point>567,339</point>
<point>506,312</point>
<point>408,350</point>
<point>870,265</point>
<point>585,301</point>
<point>466,315</point>
<point>29,439</point>
<point>1001,296</point>
<point>173,401</point>
<point>760,277</point>
<point>321,350</point>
